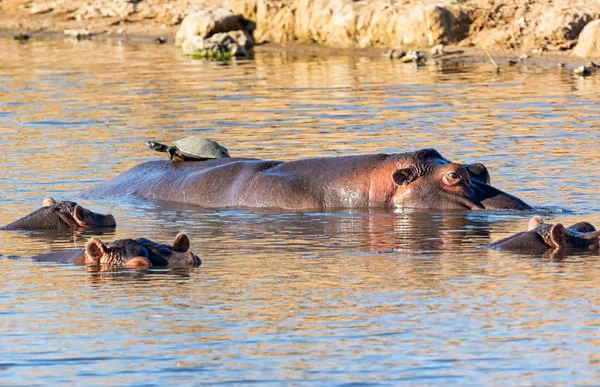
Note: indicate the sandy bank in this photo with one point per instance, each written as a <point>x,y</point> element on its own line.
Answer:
<point>516,26</point>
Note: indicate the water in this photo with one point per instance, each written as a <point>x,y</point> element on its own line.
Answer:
<point>296,298</point>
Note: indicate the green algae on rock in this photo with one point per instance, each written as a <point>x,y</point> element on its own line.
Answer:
<point>218,46</point>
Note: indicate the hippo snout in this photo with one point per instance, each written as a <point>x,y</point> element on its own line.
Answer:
<point>109,221</point>
<point>491,198</point>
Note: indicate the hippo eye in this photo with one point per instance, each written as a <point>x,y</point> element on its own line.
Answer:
<point>452,178</point>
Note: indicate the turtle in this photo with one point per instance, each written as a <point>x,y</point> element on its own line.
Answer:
<point>191,148</point>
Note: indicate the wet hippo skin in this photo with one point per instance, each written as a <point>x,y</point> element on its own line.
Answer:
<point>422,179</point>
<point>137,253</point>
<point>541,237</point>
<point>61,215</point>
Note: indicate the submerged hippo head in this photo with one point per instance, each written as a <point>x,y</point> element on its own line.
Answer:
<point>60,216</point>
<point>541,237</point>
<point>425,179</point>
<point>139,253</point>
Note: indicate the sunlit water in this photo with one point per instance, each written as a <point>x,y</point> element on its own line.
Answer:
<point>346,298</point>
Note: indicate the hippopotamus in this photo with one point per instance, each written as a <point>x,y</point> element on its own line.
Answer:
<point>140,253</point>
<point>422,179</point>
<point>61,216</point>
<point>541,237</point>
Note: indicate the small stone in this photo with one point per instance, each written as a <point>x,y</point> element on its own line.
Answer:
<point>513,61</point>
<point>397,54</point>
<point>120,31</point>
<point>438,50</point>
<point>413,56</point>
<point>583,71</point>
<point>523,56</point>
<point>394,53</point>
<point>161,40</point>
<point>561,64</point>
<point>78,34</point>
<point>21,36</point>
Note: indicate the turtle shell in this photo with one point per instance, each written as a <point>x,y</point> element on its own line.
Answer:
<point>200,148</point>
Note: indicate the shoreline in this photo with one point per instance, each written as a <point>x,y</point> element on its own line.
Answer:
<point>454,52</point>
<point>504,27</point>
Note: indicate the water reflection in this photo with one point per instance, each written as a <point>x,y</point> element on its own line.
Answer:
<point>299,298</point>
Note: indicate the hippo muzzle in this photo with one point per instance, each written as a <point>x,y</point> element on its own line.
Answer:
<point>488,197</point>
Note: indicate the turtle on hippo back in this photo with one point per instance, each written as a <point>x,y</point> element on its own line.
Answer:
<point>191,148</point>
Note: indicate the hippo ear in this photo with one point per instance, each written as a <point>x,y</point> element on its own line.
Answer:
<point>557,236</point>
<point>181,243</point>
<point>79,215</point>
<point>479,171</point>
<point>403,176</point>
<point>95,248</point>
<point>535,222</point>
<point>49,201</point>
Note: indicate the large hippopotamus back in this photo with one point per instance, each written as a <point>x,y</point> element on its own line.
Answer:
<point>422,179</point>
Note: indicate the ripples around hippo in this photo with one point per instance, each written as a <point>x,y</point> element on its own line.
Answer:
<point>296,297</point>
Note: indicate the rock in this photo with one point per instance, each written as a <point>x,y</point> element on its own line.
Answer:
<point>77,34</point>
<point>344,23</point>
<point>21,36</point>
<point>588,43</point>
<point>218,46</point>
<point>105,8</point>
<point>529,25</point>
<point>438,50</point>
<point>39,8</point>
<point>206,23</point>
<point>394,53</point>
<point>583,71</point>
<point>242,37</point>
<point>431,25</point>
<point>413,56</point>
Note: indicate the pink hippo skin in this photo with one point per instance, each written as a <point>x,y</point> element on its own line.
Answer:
<point>422,179</point>
<point>61,216</point>
<point>541,237</point>
<point>137,253</point>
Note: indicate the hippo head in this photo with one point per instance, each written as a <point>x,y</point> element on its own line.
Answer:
<point>425,179</point>
<point>541,237</point>
<point>139,253</point>
<point>61,215</point>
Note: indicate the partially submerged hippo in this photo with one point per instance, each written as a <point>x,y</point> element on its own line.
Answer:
<point>423,179</point>
<point>61,216</point>
<point>541,237</point>
<point>137,253</point>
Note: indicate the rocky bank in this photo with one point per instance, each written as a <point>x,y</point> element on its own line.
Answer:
<point>516,25</point>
